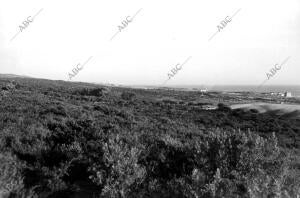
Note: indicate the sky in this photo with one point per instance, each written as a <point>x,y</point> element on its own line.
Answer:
<point>158,36</point>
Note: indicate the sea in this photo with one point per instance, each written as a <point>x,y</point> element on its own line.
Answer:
<point>294,89</point>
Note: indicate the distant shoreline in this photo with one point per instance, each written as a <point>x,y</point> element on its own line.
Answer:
<point>294,89</point>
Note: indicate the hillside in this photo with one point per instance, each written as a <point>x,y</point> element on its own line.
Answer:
<point>282,110</point>
<point>63,139</point>
<point>12,76</point>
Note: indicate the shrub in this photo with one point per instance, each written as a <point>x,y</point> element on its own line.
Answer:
<point>91,92</point>
<point>223,107</point>
<point>123,172</point>
<point>11,180</point>
<point>128,96</point>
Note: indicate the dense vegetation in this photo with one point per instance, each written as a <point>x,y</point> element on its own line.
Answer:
<point>60,139</point>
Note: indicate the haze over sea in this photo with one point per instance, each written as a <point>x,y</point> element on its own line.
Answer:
<point>294,89</point>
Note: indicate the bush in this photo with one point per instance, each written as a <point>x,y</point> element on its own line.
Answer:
<point>128,96</point>
<point>98,92</point>
<point>123,173</point>
<point>223,107</point>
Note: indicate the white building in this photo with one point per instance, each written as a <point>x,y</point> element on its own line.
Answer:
<point>287,94</point>
<point>209,107</point>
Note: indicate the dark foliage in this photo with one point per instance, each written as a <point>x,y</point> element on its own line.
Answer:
<point>60,139</point>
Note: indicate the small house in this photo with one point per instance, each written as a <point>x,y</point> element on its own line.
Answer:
<point>287,94</point>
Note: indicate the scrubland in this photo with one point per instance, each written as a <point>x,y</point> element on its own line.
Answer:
<point>63,139</point>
